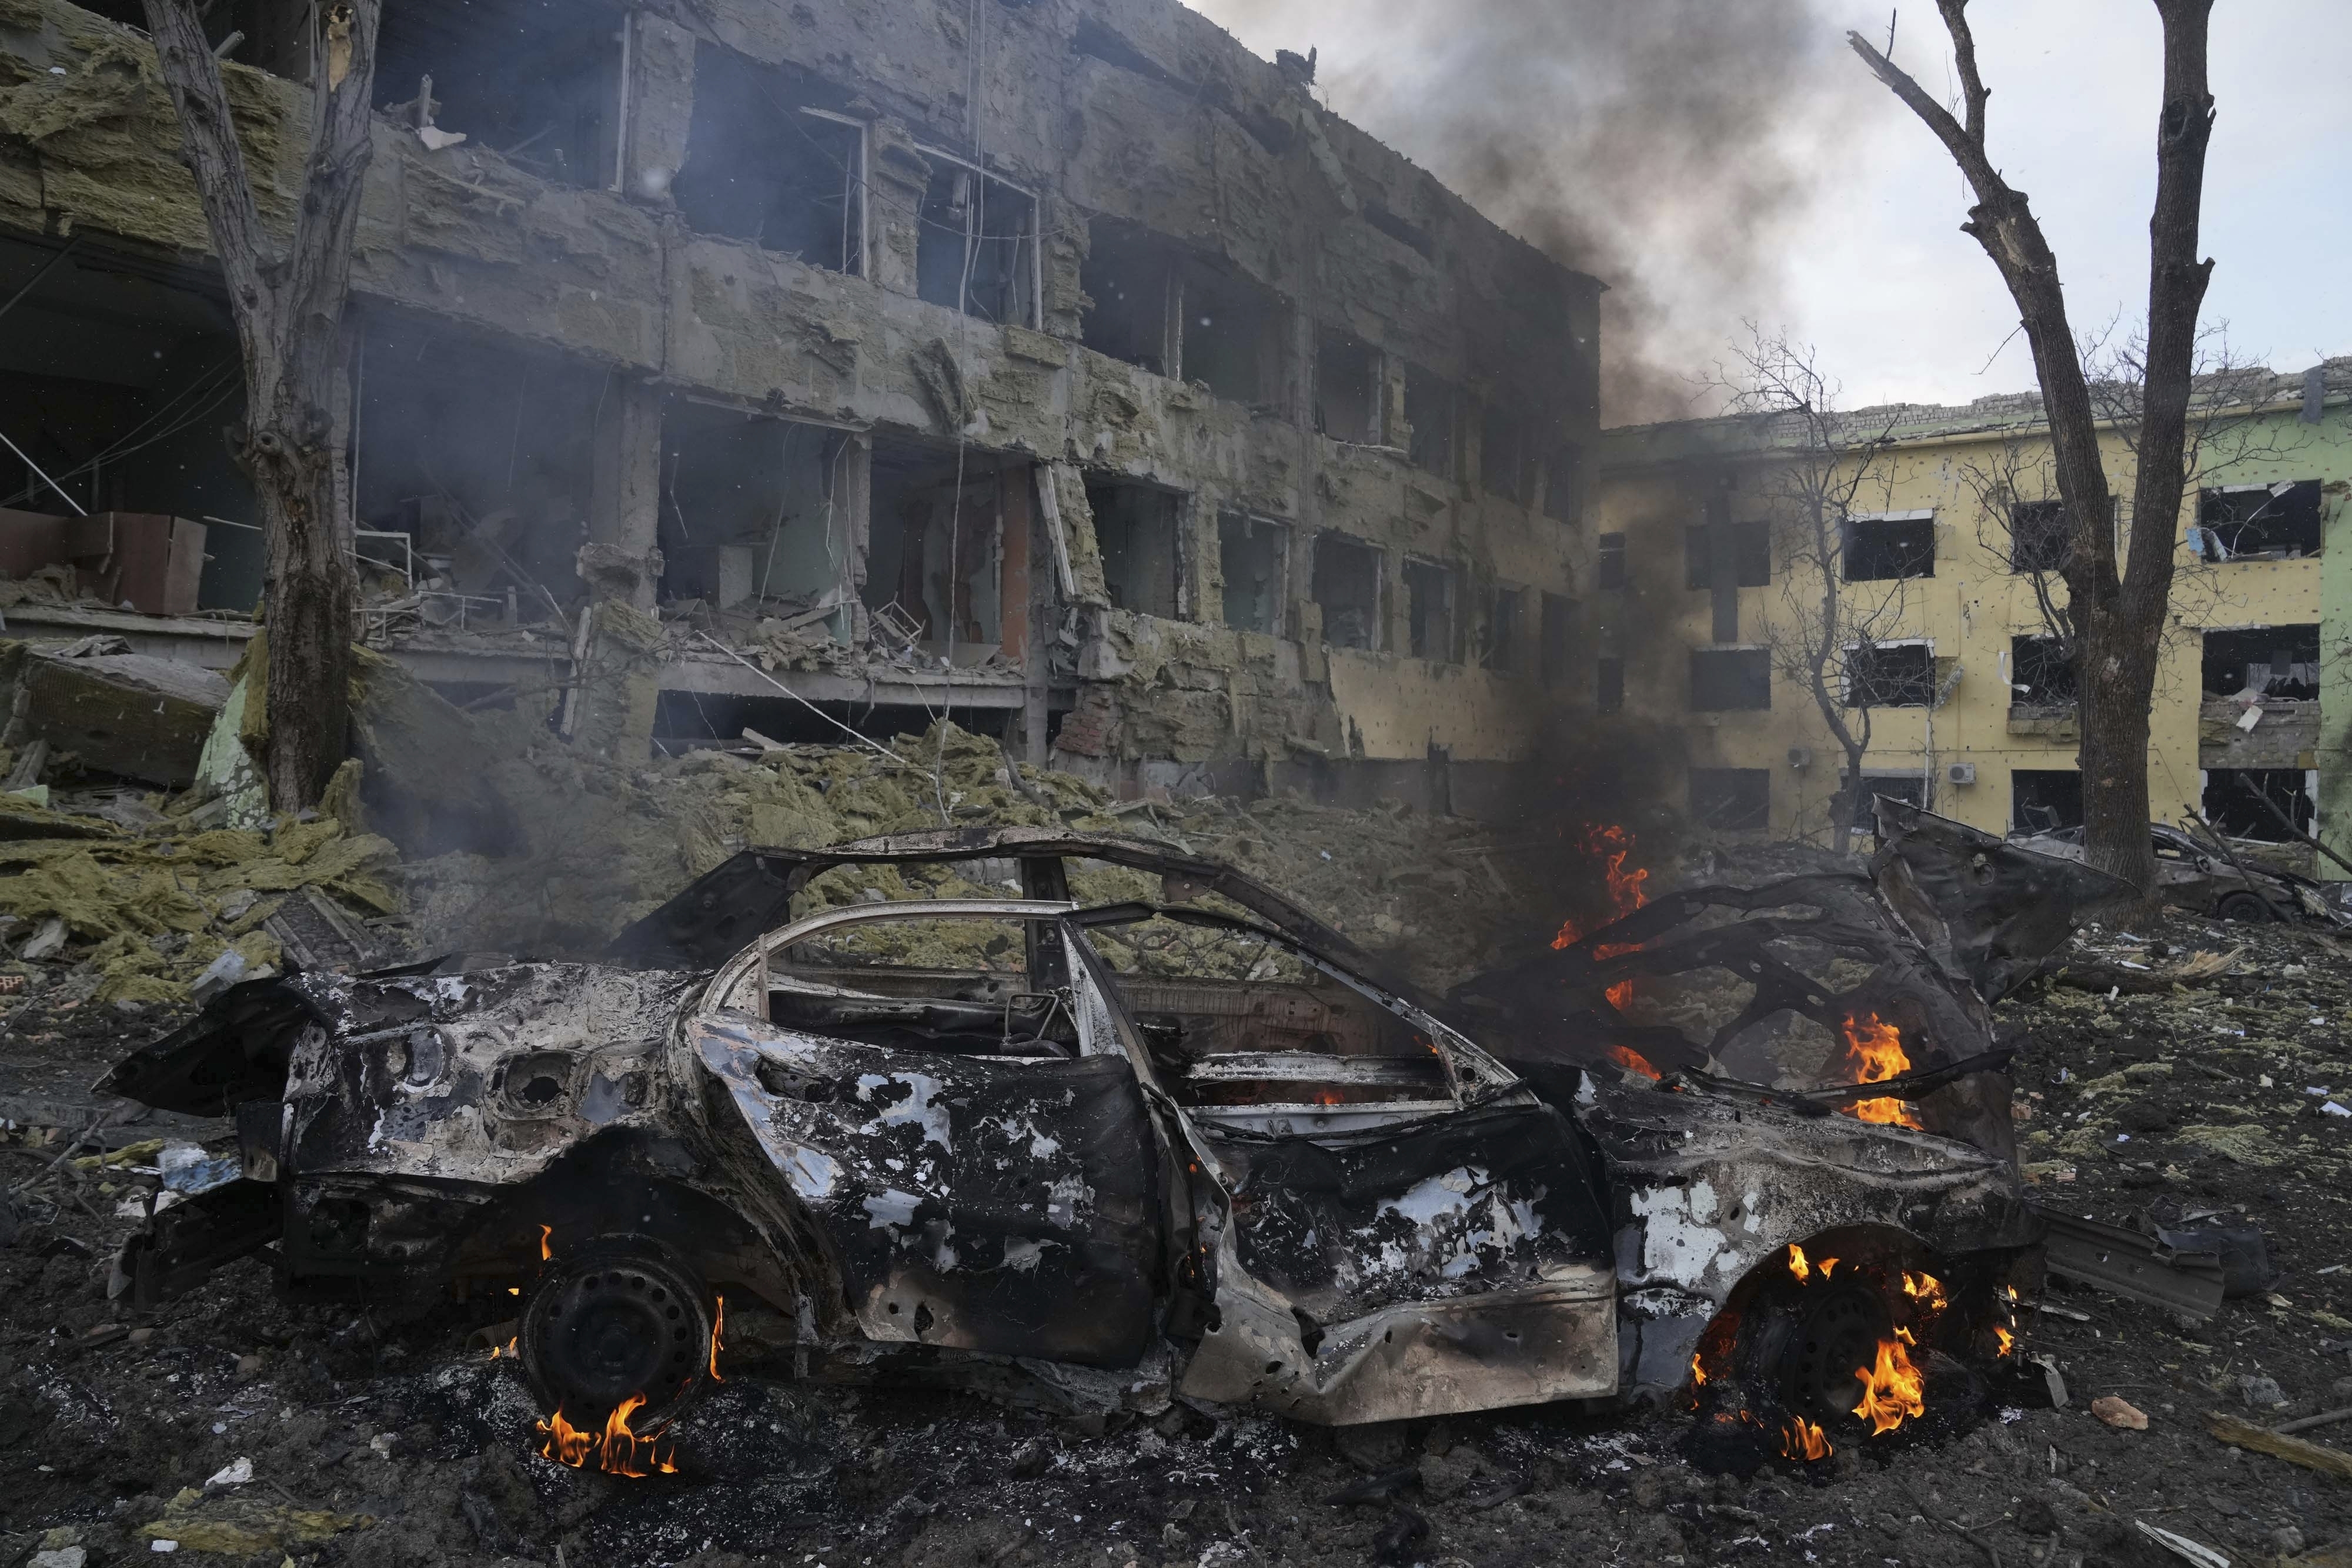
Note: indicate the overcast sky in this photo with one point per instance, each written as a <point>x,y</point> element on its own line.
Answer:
<point>1863,258</point>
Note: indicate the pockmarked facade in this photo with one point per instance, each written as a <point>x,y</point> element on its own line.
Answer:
<point>1060,367</point>
<point>1948,638</point>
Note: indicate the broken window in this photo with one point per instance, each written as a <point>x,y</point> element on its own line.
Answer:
<point>2044,799</point>
<point>1253,556</point>
<point>753,514</point>
<point>1610,565</point>
<point>1908,787</point>
<point>1126,278</point>
<point>1233,335</point>
<point>1609,686</point>
<point>1347,585</point>
<point>1507,464</point>
<point>1731,799</point>
<point>936,548</point>
<point>537,81</point>
<point>1895,545</point>
<point>2040,672</point>
<point>1348,387</point>
<point>1745,548</point>
<point>2270,661</point>
<point>2258,522</point>
<point>1558,620</point>
<point>1137,529</point>
<point>771,159</point>
<point>1429,590</point>
<point>1725,680</point>
<point>482,455</point>
<point>1429,412</point>
<point>1503,630</point>
<point>1890,675</point>
<point>2234,800</point>
<point>1564,483</point>
<point>2039,538</point>
<point>976,249</point>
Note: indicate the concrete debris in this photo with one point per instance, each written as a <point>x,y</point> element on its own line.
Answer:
<point>116,712</point>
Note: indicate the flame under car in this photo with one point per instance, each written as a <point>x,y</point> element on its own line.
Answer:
<point>1102,1154</point>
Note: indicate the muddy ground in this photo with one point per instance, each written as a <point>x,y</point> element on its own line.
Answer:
<point>375,1444</point>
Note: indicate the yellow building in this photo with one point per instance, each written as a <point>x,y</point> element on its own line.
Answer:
<point>1939,524</point>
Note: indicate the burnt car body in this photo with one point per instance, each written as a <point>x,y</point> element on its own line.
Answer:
<point>2191,875</point>
<point>1077,1165</point>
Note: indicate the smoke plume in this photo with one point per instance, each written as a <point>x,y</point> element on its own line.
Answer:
<point>1672,148</point>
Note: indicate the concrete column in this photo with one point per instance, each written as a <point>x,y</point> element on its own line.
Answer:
<point>623,556</point>
<point>657,106</point>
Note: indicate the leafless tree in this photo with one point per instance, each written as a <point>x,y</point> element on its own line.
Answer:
<point>288,295</point>
<point>1826,633</point>
<point>2118,609</point>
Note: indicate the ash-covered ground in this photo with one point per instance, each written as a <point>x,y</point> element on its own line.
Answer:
<point>374,1443</point>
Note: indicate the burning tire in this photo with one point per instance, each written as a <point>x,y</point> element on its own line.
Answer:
<point>617,1340</point>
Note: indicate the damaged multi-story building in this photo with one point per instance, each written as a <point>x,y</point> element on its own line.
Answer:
<point>1059,366</point>
<point>1945,550</point>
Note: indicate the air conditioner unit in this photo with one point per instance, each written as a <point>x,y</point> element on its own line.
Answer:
<point>1961,773</point>
<point>1801,756</point>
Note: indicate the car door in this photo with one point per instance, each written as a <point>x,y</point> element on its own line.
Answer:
<point>1005,1200</point>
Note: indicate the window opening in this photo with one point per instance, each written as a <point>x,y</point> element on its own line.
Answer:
<point>1505,455</point>
<point>1909,787</point>
<point>1726,680</point>
<point>1126,278</point>
<point>1251,555</point>
<point>2233,800</point>
<point>537,81</point>
<point>1890,675</point>
<point>2280,661</point>
<point>2258,522</point>
<point>1430,594</point>
<point>1137,528</point>
<point>1559,619</point>
<point>1880,549</point>
<point>1234,337</point>
<point>752,512</point>
<point>1564,483</point>
<point>2040,672</point>
<point>2039,538</point>
<point>1348,382</point>
<point>1609,564</point>
<point>1346,586</point>
<point>771,161</point>
<point>977,244</point>
<point>2044,799</point>
<point>934,556</point>
<point>1503,630</point>
<point>1429,410</point>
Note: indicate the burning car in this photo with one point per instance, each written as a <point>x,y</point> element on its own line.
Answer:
<point>1112,1150</point>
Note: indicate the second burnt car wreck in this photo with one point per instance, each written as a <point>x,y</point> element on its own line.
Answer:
<point>1106,1153</point>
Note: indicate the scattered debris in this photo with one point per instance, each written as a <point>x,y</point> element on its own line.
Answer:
<point>2119,1413</point>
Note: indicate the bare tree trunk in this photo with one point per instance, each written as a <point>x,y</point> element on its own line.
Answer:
<point>2118,615</point>
<point>289,306</point>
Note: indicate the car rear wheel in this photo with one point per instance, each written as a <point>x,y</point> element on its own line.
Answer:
<point>616,1323</point>
<point>2244,906</point>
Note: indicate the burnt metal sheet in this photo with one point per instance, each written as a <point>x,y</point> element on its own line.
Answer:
<point>1987,909</point>
<point>2126,1264</point>
<point>978,1203</point>
<point>1524,1344</point>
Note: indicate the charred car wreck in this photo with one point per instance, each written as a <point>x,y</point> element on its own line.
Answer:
<point>1112,1152</point>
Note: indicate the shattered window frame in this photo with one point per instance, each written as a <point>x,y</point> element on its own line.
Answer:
<point>1375,615</point>
<point>1420,574</point>
<point>2041,783</point>
<point>1026,273</point>
<point>1731,680</point>
<point>1335,343</point>
<point>1609,562</point>
<point>1432,439</point>
<point>2284,520</point>
<point>1563,484</point>
<point>1246,527</point>
<point>1124,568</point>
<point>2041,539</point>
<point>2224,668</point>
<point>1867,685</point>
<point>1500,638</point>
<point>1887,547</point>
<point>1555,636</point>
<point>2041,674</point>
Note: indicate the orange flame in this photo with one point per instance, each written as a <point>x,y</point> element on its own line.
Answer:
<point>1826,1266</point>
<point>718,1328</point>
<point>1698,1372</point>
<point>1874,1049</point>
<point>1924,1288</point>
<point>2008,1339</point>
<point>1802,1440</point>
<point>1797,1264</point>
<point>1611,844</point>
<point>618,1450</point>
<point>545,1251</point>
<point>1891,1390</point>
<point>1625,1056</point>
